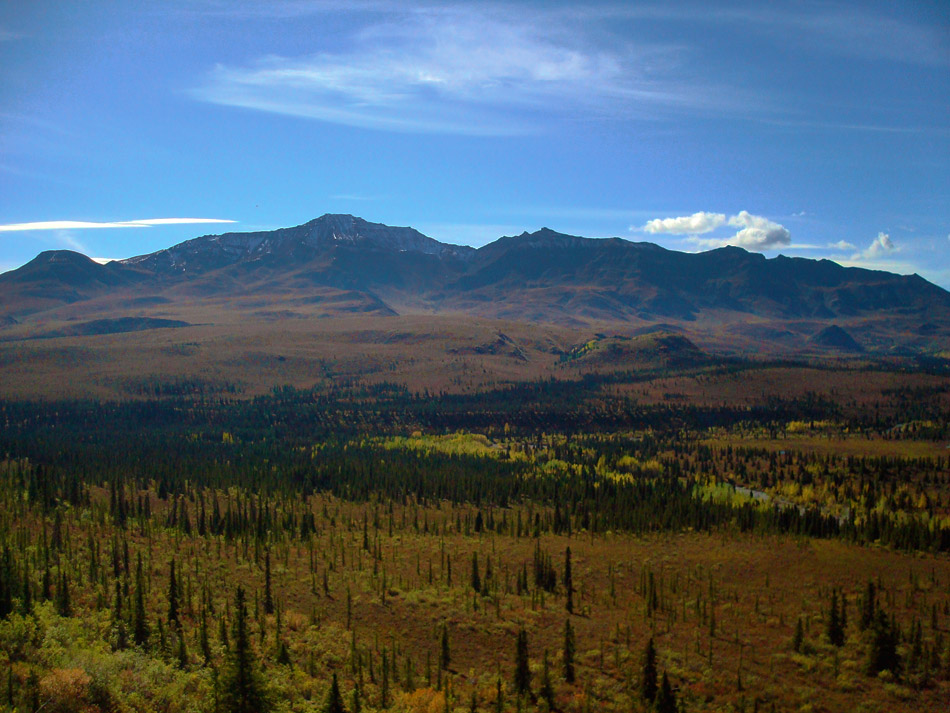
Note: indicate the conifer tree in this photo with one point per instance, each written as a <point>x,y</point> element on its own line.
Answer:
<point>244,690</point>
<point>444,655</point>
<point>568,652</point>
<point>268,596</point>
<point>799,638</point>
<point>283,654</point>
<point>882,646</point>
<point>118,621</point>
<point>182,653</point>
<point>334,701</point>
<point>223,634</point>
<point>568,582</point>
<point>522,669</point>
<point>203,639</point>
<point>476,579</point>
<point>868,606</point>
<point>173,596</point>
<point>835,629</point>
<point>63,605</point>
<point>384,683</point>
<point>648,675</point>
<point>546,691</point>
<point>26,595</point>
<point>665,698</point>
<point>7,583</point>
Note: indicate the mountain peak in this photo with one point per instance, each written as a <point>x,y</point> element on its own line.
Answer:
<point>320,236</point>
<point>61,257</point>
<point>537,276</point>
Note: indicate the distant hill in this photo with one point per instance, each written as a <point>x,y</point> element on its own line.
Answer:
<point>657,349</point>
<point>345,264</point>
<point>835,337</point>
<point>113,326</point>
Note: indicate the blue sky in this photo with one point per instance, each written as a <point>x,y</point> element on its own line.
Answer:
<point>809,129</point>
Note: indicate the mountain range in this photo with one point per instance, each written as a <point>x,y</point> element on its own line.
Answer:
<point>339,265</point>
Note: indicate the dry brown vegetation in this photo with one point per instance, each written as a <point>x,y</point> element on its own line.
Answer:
<point>368,457</point>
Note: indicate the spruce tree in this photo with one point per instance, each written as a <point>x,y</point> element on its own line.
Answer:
<point>268,596</point>
<point>568,582</point>
<point>139,621</point>
<point>882,647</point>
<point>799,639</point>
<point>444,656</point>
<point>648,675</point>
<point>7,585</point>
<point>63,605</point>
<point>384,684</point>
<point>26,595</point>
<point>283,654</point>
<point>334,701</point>
<point>173,596</point>
<point>868,607</point>
<point>476,579</point>
<point>203,640</point>
<point>522,669</point>
<point>665,698</point>
<point>546,691</point>
<point>835,629</point>
<point>118,621</point>
<point>568,652</point>
<point>244,690</point>
<point>182,653</point>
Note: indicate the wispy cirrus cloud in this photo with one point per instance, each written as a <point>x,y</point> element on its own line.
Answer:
<point>84,224</point>
<point>465,70</point>
<point>502,69</point>
<point>854,29</point>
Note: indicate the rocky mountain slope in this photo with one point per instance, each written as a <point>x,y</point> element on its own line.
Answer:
<point>345,264</point>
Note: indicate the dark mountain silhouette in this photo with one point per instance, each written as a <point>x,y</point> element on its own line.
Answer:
<point>347,264</point>
<point>55,277</point>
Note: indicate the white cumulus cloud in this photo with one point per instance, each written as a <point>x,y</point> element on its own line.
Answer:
<point>881,246</point>
<point>755,231</point>
<point>695,224</point>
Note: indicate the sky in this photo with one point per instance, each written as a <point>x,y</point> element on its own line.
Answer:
<point>807,129</point>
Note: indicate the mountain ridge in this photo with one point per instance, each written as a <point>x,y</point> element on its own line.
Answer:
<point>541,276</point>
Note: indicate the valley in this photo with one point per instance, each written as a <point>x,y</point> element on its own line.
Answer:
<point>367,471</point>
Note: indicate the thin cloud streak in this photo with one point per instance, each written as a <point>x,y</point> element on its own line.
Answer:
<point>83,225</point>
